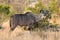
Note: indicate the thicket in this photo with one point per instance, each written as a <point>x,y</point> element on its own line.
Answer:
<point>53,8</point>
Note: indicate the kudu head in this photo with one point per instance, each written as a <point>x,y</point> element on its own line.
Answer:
<point>42,14</point>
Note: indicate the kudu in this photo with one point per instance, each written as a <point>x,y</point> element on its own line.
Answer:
<point>27,19</point>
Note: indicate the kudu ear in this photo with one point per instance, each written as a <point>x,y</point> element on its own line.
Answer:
<point>47,11</point>
<point>41,11</point>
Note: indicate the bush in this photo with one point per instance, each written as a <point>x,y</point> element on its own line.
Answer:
<point>43,24</point>
<point>4,12</point>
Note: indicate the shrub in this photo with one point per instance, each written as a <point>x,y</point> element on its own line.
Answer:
<point>43,24</point>
<point>4,12</point>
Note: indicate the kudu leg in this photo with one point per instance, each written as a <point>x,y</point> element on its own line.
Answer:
<point>13,27</point>
<point>30,27</point>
